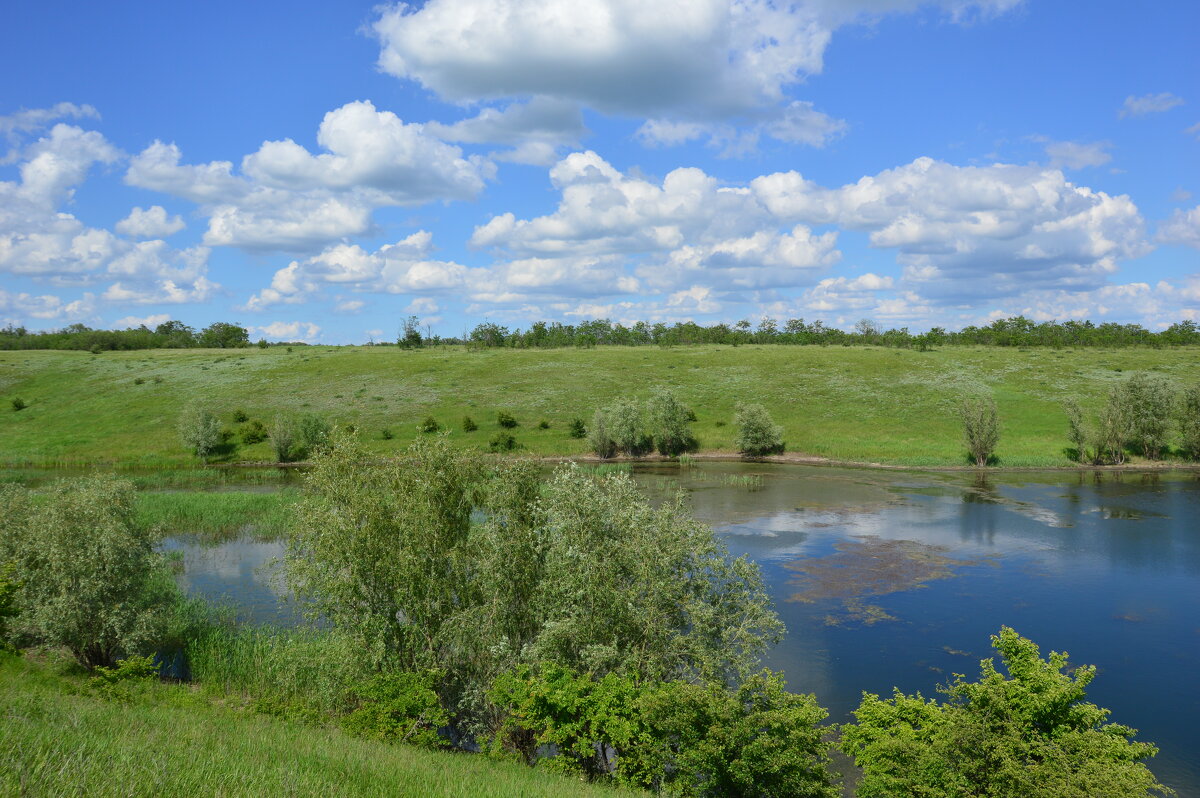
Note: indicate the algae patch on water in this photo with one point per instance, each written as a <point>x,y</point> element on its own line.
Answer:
<point>868,566</point>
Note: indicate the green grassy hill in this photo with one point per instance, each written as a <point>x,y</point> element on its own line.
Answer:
<point>864,404</point>
<point>58,738</point>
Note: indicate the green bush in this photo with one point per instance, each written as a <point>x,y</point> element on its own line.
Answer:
<point>139,380</point>
<point>505,419</point>
<point>1189,423</point>
<point>668,421</point>
<point>386,434</point>
<point>254,432</point>
<point>240,417</point>
<point>601,441</point>
<point>468,424</point>
<point>199,429</point>
<point>18,404</point>
<point>283,437</point>
<point>981,428</point>
<point>1150,404</point>
<point>429,425</point>
<point>8,596</point>
<point>1030,734</point>
<point>543,424</point>
<point>576,429</point>
<point>400,708</point>
<point>312,435</point>
<point>502,442</point>
<point>757,433</point>
<point>91,580</point>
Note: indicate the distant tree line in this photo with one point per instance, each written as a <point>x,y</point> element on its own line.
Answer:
<point>1017,331</point>
<point>168,335</point>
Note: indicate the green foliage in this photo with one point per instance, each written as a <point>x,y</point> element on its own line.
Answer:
<point>113,682</point>
<point>502,442</point>
<point>254,432</point>
<point>312,435</point>
<point>1103,442</point>
<point>386,434</point>
<point>199,429</point>
<point>543,424</point>
<point>601,441</point>
<point>283,437</point>
<point>576,429</point>
<point>262,343</point>
<point>757,433</point>
<point>1150,406</point>
<point>399,708</point>
<point>1030,735</point>
<point>668,420</point>
<point>505,419</point>
<point>8,595</point>
<point>90,578</point>
<point>429,425</point>
<point>678,738</point>
<point>619,428</point>
<point>18,404</point>
<point>468,424</point>
<point>981,427</point>
<point>223,335</point>
<point>1189,423</point>
<point>240,416</point>
<point>139,380</point>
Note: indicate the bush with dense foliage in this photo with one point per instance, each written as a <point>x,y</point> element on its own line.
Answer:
<point>1150,404</point>
<point>668,422</point>
<point>1029,734</point>
<point>1189,423</point>
<point>757,433</point>
<point>199,429</point>
<point>981,428</point>
<point>90,579</point>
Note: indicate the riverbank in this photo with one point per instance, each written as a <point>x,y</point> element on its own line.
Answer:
<point>853,406</point>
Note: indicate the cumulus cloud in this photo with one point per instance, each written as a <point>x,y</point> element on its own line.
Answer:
<point>970,231</point>
<point>400,268</point>
<point>150,223</point>
<point>150,322</point>
<point>34,119</point>
<point>289,199</point>
<point>290,330</point>
<point>1183,227</point>
<point>535,129</point>
<point>46,306</point>
<point>1149,104</point>
<point>701,63</point>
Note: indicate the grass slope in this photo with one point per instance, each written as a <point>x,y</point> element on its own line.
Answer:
<point>56,738</point>
<point>850,403</point>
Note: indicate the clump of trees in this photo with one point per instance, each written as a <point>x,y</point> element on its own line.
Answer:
<point>168,335</point>
<point>199,429</point>
<point>294,438</point>
<point>757,433</point>
<point>1139,416</point>
<point>83,574</point>
<point>981,428</point>
<point>1028,734</point>
<point>632,428</point>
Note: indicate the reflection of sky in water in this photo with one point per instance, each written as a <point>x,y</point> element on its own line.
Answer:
<point>1106,569</point>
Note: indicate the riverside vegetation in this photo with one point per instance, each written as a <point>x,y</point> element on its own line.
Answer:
<point>864,404</point>
<point>467,602</point>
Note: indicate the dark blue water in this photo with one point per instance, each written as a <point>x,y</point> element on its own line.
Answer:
<point>1105,567</point>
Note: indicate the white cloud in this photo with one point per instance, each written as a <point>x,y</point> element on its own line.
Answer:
<point>535,129</point>
<point>423,305</point>
<point>1194,130</point>
<point>149,322</point>
<point>290,330</point>
<point>150,223</point>
<point>699,63</point>
<point>974,231</point>
<point>289,199</point>
<point>33,119</point>
<point>1076,154</point>
<point>349,305</point>
<point>400,268</point>
<point>1180,194</point>
<point>47,306</point>
<point>1149,104</point>
<point>1182,228</point>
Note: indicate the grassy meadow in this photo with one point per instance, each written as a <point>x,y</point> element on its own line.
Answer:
<point>870,404</point>
<point>59,737</point>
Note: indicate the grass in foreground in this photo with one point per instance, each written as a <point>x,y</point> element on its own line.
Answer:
<point>57,738</point>
<point>892,406</point>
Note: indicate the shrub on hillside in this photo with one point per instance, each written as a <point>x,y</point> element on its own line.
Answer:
<point>668,420</point>
<point>399,708</point>
<point>18,404</point>
<point>199,429</point>
<point>543,424</point>
<point>283,437</point>
<point>429,425</point>
<point>576,429</point>
<point>240,416</point>
<point>505,419</point>
<point>502,442</point>
<point>1150,404</point>
<point>254,432</point>
<point>468,424</point>
<point>386,434</point>
<point>981,427</point>
<point>757,433</point>
<point>1189,423</point>
<point>599,438</point>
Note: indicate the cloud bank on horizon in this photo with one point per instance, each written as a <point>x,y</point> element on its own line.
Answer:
<point>711,160</point>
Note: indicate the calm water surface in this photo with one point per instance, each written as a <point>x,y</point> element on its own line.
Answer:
<point>896,579</point>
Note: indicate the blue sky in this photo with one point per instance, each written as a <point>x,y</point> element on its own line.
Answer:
<point>319,171</point>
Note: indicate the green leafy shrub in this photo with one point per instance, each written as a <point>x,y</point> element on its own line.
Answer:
<point>981,428</point>
<point>468,424</point>
<point>502,442</point>
<point>506,420</point>
<point>386,434</point>
<point>91,580</point>
<point>1189,423</point>
<point>199,429</point>
<point>8,596</point>
<point>668,421</point>
<point>254,432</point>
<point>18,404</point>
<point>1030,734</point>
<point>114,683</point>
<point>400,708</point>
<point>312,435</point>
<point>576,429</point>
<point>601,441</point>
<point>283,437</point>
<point>543,424</point>
<point>139,380</point>
<point>1150,404</point>
<point>757,433</point>
<point>240,417</point>
<point>429,425</point>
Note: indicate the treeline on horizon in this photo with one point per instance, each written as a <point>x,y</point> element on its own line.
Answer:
<point>1017,331</point>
